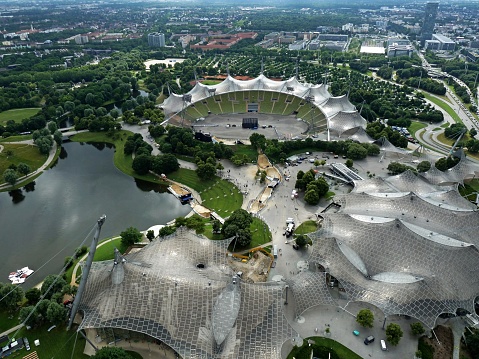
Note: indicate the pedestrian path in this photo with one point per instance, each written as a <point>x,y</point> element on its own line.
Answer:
<point>46,164</point>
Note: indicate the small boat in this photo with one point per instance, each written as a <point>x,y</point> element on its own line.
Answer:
<point>20,275</point>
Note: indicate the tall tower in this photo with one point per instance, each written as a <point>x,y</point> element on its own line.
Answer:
<point>429,21</point>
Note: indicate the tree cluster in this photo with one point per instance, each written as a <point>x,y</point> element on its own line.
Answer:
<point>238,225</point>
<point>315,188</point>
<point>444,163</point>
<point>378,130</point>
<point>395,168</point>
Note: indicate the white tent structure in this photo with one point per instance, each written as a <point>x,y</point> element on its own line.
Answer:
<point>339,109</point>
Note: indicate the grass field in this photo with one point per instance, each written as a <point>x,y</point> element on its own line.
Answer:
<point>444,105</point>
<point>260,233</point>
<point>17,115</point>
<point>306,227</point>
<point>7,321</point>
<point>16,138</point>
<point>57,343</point>
<point>27,154</point>
<point>415,126</point>
<point>304,352</point>
<point>246,150</point>
<point>210,82</point>
<point>217,194</point>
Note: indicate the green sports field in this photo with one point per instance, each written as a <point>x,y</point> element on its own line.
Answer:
<point>17,115</point>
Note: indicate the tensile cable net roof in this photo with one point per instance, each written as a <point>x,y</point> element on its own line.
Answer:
<point>318,95</point>
<point>180,290</point>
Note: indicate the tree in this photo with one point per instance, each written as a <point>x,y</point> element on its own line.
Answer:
<point>301,240</point>
<point>23,168</point>
<point>33,295</point>
<point>141,164</point>
<point>258,140</point>
<point>423,166</point>
<point>472,132</point>
<point>111,353</point>
<point>417,328</point>
<point>130,236</point>
<point>393,333</point>
<point>10,176</point>
<point>216,226</point>
<point>58,137</point>
<point>56,313</point>
<point>150,235</point>
<point>52,127</point>
<point>365,318</point>
<point>243,237</point>
<point>56,283</point>
<point>25,313</point>
<point>311,197</point>
<point>11,295</point>
<point>349,163</point>
<point>356,151</point>
<point>166,231</point>
<point>206,171</point>
<point>472,341</point>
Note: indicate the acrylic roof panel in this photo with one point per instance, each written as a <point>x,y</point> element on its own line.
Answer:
<point>406,253</point>
<point>337,104</point>
<point>413,209</point>
<point>344,121</point>
<point>360,135</point>
<point>165,295</point>
<point>310,289</point>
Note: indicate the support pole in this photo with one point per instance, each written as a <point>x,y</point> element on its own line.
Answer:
<point>88,340</point>
<point>86,270</point>
<point>384,323</point>
<point>286,301</point>
<point>435,336</point>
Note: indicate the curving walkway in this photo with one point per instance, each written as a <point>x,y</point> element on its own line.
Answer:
<point>46,164</point>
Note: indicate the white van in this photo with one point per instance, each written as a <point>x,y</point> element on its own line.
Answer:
<point>275,251</point>
<point>383,345</point>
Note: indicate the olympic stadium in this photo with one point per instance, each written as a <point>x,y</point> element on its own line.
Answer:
<point>284,109</point>
<point>406,244</point>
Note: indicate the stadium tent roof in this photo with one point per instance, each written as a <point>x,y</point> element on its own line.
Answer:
<point>344,121</point>
<point>406,253</point>
<point>316,94</point>
<point>199,312</point>
<point>393,267</point>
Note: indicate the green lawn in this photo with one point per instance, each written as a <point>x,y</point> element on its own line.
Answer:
<point>260,233</point>
<point>247,150</point>
<point>415,126</point>
<point>8,320</point>
<point>210,82</point>
<point>469,189</point>
<point>58,343</point>
<point>306,227</point>
<point>21,153</point>
<point>16,138</point>
<point>217,194</point>
<point>17,114</point>
<point>122,162</point>
<point>445,106</point>
<point>107,251</point>
<point>321,348</point>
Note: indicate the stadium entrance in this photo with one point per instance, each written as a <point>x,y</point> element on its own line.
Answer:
<point>253,107</point>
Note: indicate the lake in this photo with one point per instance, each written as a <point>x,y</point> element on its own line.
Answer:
<point>46,220</point>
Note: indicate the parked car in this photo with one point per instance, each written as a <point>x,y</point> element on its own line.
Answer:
<point>369,340</point>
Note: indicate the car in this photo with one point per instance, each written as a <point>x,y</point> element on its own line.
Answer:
<point>369,340</point>
<point>325,156</point>
<point>273,264</point>
<point>355,332</point>
<point>295,246</point>
<point>27,344</point>
<point>336,156</point>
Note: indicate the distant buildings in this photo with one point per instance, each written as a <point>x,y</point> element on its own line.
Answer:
<point>440,43</point>
<point>429,22</point>
<point>223,41</point>
<point>399,47</point>
<point>81,39</point>
<point>156,39</point>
